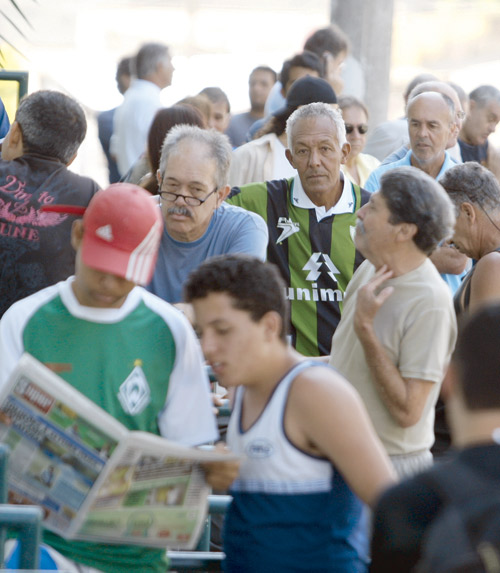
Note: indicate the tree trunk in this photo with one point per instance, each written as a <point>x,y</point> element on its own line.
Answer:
<point>368,23</point>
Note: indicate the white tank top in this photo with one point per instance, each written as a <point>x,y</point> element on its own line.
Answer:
<point>270,462</point>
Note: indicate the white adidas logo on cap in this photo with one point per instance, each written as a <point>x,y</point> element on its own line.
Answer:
<point>105,233</point>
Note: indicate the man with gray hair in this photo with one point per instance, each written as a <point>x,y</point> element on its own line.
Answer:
<point>133,118</point>
<point>398,325</point>
<point>311,219</point>
<point>192,178</point>
<point>35,249</point>
<point>432,123</point>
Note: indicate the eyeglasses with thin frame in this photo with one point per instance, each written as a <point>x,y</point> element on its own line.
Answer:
<point>191,201</point>
<point>362,128</point>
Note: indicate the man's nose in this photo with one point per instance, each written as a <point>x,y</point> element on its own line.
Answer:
<point>314,157</point>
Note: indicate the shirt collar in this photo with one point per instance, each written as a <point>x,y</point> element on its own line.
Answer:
<point>346,203</point>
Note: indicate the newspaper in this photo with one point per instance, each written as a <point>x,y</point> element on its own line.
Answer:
<point>94,479</point>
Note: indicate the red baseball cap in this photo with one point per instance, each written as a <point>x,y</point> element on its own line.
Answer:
<point>122,228</point>
<point>122,231</point>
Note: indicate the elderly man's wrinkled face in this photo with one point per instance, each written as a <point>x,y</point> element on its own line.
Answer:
<point>430,126</point>
<point>190,175</point>
<point>375,234</point>
<point>317,155</point>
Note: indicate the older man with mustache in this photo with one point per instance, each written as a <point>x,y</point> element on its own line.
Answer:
<point>192,179</point>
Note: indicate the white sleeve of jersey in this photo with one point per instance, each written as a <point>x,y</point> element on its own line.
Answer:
<point>12,327</point>
<point>187,417</point>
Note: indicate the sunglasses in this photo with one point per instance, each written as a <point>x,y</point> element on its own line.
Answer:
<point>362,128</point>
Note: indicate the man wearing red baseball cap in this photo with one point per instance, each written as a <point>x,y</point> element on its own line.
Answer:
<point>99,330</point>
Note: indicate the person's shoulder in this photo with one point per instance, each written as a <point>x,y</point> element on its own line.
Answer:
<point>488,261</point>
<point>174,319</point>
<point>364,193</point>
<point>26,307</point>
<point>239,118</point>
<point>431,280</point>
<point>158,305</point>
<point>369,161</point>
<point>320,386</point>
<point>267,140</point>
<point>228,212</point>
<point>249,192</point>
<point>234,221</point>
<point>82,180</point>
<point>487,272</point>
<point>38,167</point>
<point>364,272</point>
<point>427,290</point>
<point>316,372</point>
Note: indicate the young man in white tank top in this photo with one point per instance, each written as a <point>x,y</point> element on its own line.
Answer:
<point>303,434</point>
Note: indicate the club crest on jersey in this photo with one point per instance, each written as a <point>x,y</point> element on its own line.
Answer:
<point>134,393</point>
<point>289,228</point>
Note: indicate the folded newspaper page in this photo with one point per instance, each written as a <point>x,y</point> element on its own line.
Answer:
<point>95,479</point>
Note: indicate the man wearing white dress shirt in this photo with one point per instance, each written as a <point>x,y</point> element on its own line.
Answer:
<point>153,70</point>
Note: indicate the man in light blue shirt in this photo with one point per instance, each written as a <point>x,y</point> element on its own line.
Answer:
<point>193,174</point>
<point>431,124</point>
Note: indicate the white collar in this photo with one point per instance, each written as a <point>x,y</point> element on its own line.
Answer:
<point>345,204</point>
<point>100,315</point>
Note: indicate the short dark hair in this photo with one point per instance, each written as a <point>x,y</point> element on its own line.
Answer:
<point>477,358</point>
<point>305,59</point>
<point>52,124</point>
<point>414,197</point>
<point>482,95</point>
<point>254,286</point>
<point>473,183</point>
<point>148,57</point>
<point>124,69</point>
<point>265,69</point>
<point>331,39</point>
<point>216,95</point>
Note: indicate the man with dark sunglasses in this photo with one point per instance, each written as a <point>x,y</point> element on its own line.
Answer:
<point>192,180</point>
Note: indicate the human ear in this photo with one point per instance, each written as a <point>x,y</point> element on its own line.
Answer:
<point>77,234</point>
<point>346,149</point>
<point>288,155</point>
<point>273,324</point>
<point>222,194</point>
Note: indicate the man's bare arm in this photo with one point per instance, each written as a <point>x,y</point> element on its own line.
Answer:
<point>405,398</point>
<point>485,282</point>
<point>325,416</point>
<point>220,475</point>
